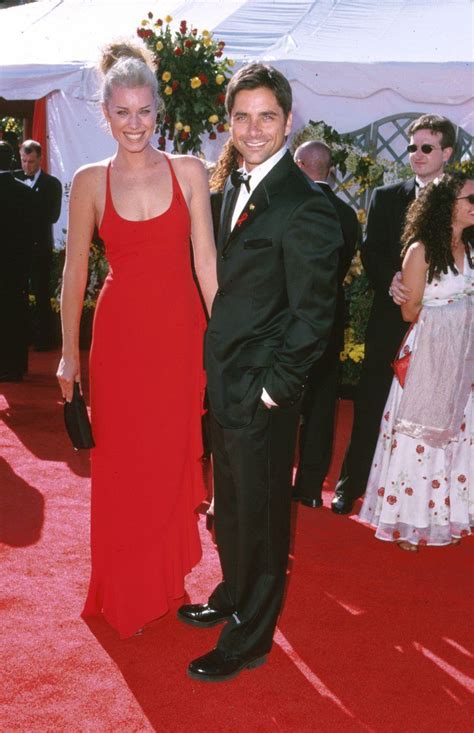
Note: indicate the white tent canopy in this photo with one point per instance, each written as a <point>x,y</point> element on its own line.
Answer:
<point>350,62</point>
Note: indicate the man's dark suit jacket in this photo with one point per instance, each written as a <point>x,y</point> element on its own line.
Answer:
<point>351,234</point>
<point>381,258</point>
<point>47,200</point>
<point>275,304</point>
<point>16,205</point>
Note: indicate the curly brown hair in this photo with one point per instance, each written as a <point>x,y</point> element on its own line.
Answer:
<point>429,220</point>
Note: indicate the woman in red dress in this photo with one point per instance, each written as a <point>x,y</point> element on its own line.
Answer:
<point>146,369</point>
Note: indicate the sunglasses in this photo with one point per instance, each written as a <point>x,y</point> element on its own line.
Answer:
<point>426,149</point>
<point>470,198</point>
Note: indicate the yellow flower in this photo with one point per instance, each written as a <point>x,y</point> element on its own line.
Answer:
<point>166,76</point>
<point>361,215</point>
<point>206,34</point>
<point>168,18</point>
<point>213,119</point>
<point>207,42</point>
<point>230,62</point>
<point>195,82</point>
<point>159,46</point>
<point>168,90</point>
<point>220,79</point>
<point>226,126</point>
<point>187,128</point>
<point>178,126</point>
<point>145,22</point>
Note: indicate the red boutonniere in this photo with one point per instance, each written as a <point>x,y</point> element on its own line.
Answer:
<point>242,218</point>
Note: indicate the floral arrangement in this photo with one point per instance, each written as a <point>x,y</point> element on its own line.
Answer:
<point>192,74</point>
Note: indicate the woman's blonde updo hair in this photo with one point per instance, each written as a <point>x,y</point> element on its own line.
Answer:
<point>125,64</point>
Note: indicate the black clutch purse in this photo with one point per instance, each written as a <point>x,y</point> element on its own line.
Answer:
<point>77,421</point>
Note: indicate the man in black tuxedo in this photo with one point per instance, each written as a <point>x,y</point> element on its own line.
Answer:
<point>432,139</point>
<point>319,403</point>
<point>277,264</point>
<point>16,242</point>
<point>47,198</point>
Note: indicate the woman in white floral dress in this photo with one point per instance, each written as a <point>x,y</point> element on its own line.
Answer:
<point>420,489</point>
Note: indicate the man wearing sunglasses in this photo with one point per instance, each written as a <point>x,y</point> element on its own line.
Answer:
<point>432,139</point>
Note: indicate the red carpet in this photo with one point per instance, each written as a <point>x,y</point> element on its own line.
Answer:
<point>370,639</point>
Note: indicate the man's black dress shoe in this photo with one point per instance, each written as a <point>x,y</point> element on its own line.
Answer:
<point>217,666</point>
<point>11,377</point>
<point>201,614</point>
<point>313,503</point>
<point>342,504</point>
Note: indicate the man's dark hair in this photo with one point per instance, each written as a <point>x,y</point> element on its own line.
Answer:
<point>6,155</point>
<point>256,75</point>
<point>436,123</point>
<point>31,146</point>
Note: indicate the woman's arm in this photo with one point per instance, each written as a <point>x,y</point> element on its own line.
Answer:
<point>201,227</point>
<point>414,271</point>
<point>81,221</point>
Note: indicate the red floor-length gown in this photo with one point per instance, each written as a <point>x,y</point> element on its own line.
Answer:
<point>147,383</point>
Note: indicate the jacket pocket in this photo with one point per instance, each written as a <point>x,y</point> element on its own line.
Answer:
<point>257,243</point>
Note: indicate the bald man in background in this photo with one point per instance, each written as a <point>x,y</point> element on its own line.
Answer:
<point>318,410</point>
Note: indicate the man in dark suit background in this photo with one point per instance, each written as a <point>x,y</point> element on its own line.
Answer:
<point>16,242</point>
<point>47,198</point>
<point>432,139</point>
<point>319,402</point>
<point>277,265</point>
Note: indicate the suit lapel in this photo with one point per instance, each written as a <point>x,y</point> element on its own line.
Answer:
<point>257,203</point>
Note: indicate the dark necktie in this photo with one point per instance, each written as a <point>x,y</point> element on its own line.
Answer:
<point>238,178</point>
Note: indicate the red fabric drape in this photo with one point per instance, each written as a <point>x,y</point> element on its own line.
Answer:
<point>39,130</point>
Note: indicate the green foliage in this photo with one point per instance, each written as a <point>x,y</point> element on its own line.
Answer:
<point>192,77</point>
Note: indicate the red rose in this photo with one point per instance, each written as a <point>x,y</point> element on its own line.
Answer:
<point>392,499</point>
<point>212,136</point>
<point>220,127</point>
<point>203,78</point>
<point>420,449</point>
<point>462,478</point>
<point>381,491</point>
<point>396,534</point>
<point>161,141</point>
<point>221,99</point>
<point>194,31</point>
<point>188,43</point>
<point>435,484</point>
<point>183,26</point>
<point>174,85</point>
<point>150,15</point>
<point>141,32</point>
<point>218,54</point>
<point>447,501</point>
<point>178,51</point>
<point>184,135</point>
<point>148,33</point>
<point>431,503</point>
<point>221,44</point>
<point>409,491</point>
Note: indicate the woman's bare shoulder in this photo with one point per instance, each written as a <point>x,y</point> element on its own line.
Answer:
<point>92,172</point>
<point>188,165</point>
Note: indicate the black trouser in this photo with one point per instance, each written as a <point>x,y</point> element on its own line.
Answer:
<point>371,396</point>
<point>252,489</point>
<point>14,322</point>
<point>317,430</point>
<point>41,288</point>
